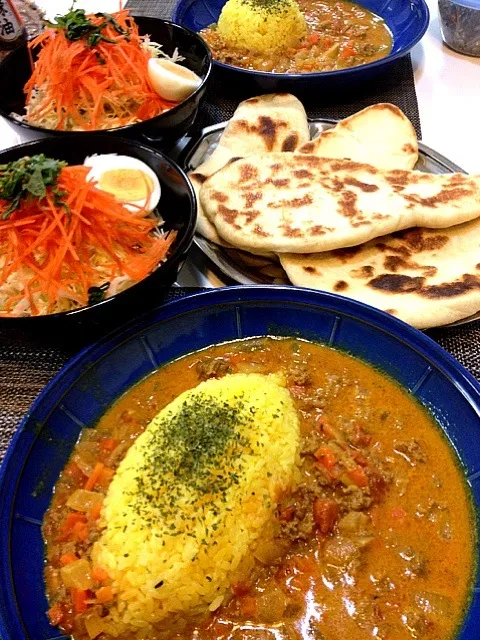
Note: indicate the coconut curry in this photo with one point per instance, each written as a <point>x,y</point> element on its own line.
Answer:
<point>340,34</point>
<point>375,540</point>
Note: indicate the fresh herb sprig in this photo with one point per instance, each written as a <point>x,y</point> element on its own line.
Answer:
<point>28,178</point>
<point>77,26</point>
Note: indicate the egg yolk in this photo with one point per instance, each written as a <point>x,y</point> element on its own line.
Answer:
<point>128,185</point>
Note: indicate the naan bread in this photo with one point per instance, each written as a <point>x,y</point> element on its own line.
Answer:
<point>381,135</point>
<point>294,203</point>
<point>425,277</point>
<point>273,122</point>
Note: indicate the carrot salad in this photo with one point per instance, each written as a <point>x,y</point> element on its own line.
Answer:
<point>71,244</point>
<point>91,73</point>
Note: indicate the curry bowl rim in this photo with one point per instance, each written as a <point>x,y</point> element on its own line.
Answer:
<point>182,5</point>
<point>13,465</point>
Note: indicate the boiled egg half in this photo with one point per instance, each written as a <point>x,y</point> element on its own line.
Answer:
<point>129,179</point>
<point>172,81</point>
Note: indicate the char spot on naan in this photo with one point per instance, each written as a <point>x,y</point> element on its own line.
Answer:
<point>444,196</point>
<point>363,186</point>
<point>268,130</point>
<point>318,230</point>
<point>341,285</point>
<point>258,231</point>
<point>467,283</point>
<point>248,172</point>
<point>392,312</point>
<point>219,197</point>
<point>349,165</point>
<point>393,283</point>
<point>346,254</point>
<point>251,215</point>
<point>310,270</point>
<point>420,241</point>
<point>290,143</point>
<point>251,198</point>
<point>230,215</point>
<point>367,271</point>
<point>395,263</point>
<point>294,203</point>
<point>303,173</point>
<point>348,204</point>
<point>409,148</point>
<point>381,246</point>
<point>198,177</point>
<point>290,232</point>
<point>307,148</point>
<point>398,178</point>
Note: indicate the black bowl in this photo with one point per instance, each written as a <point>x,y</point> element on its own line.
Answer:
<point>15,70</point>
<point>177,207</point>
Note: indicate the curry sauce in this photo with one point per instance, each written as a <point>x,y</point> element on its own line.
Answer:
<point>376,539</point>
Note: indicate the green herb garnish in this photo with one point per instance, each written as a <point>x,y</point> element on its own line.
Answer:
<point>186,455</point>
<point>29,178</point>
<point>268,6</point>
<point>77,26</point>
<point>97,294</point>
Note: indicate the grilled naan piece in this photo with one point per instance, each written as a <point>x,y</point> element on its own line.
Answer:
<point>427,277</point>
<point>273,122</point>
<point>381,135</point>
<point>294,203</point>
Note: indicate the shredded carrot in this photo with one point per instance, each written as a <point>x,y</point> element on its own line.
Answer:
<point>94,476</point>
<point>57,251</point>
<point>92,87</point>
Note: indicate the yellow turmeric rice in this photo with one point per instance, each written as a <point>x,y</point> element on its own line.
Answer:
<point>192,497</point>
<point>262,26</point>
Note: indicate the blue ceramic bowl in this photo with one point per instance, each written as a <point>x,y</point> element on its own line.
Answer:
<point>82,391</point>
<point>407,20</point>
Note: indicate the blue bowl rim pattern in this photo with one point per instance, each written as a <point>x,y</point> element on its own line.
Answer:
<point>12,466</point>
<point>182,5</point>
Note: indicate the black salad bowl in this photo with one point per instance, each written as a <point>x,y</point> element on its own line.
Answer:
<point>162,130</point>
<point>177,207</point>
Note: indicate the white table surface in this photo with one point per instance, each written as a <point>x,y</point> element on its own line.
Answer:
<point>448,93</point>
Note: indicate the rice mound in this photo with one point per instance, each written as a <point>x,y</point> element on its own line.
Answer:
<point>192,496</point>
<point>261,26</point>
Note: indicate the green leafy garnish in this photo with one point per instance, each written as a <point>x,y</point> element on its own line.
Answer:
<point>77,26</point>
<point>97,294</point>
<point>29,178</point>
